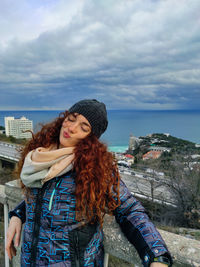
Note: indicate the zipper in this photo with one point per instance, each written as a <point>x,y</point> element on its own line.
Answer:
<point>77,250</point>
<point>36,227</point>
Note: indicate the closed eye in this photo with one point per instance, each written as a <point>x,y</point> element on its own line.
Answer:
<point>71,117</point>
<point>84,129</point>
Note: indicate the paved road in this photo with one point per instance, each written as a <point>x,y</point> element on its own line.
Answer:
<point>143,187</point>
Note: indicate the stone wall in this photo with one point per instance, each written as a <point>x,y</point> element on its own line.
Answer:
<point>185,251</point>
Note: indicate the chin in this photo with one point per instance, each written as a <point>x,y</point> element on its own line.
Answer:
<point>65,142</point>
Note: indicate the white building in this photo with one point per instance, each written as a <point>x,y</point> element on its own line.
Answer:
<point>17,127</point>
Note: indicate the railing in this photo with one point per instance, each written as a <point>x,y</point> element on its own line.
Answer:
<point>185,251</point>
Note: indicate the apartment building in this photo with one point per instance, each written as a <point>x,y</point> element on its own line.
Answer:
<point>17,127</point>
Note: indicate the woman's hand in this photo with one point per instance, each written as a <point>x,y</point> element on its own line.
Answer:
<point>14,231</point>
<point>158,264</point>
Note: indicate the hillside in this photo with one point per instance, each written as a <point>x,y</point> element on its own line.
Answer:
<point>177,145</point>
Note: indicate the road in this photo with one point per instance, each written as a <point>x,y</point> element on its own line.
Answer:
<point>144,186</point>
<point>8,151</point>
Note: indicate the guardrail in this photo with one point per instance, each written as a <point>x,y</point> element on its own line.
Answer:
<point>8,153</point>
<point>8,157</point>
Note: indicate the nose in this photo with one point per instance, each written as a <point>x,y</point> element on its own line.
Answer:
<point>73,127</point>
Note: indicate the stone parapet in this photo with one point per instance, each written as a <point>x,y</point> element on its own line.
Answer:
<point>2,195</point>
<point>185,251</point>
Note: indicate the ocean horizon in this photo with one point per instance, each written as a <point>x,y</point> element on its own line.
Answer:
<point>184,124</point>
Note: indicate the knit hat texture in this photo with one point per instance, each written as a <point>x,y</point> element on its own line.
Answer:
<point>95,112</point>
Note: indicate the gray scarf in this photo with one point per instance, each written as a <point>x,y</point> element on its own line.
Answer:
<point>43,164</point>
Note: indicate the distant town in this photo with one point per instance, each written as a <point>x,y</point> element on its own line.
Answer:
<point>157,146</point>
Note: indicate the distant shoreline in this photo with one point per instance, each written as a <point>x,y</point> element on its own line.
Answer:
<point>183,124</point>
<point>119,149</point>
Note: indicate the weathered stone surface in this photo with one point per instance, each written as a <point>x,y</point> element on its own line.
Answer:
<point>115,242</point>
<point>13,191</point>
<point>2,194</point>
<point>183,249</point>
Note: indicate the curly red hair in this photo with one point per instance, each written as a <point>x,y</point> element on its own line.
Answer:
<point>97,177</point>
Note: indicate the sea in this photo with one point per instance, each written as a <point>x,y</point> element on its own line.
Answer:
<point>183,124</point>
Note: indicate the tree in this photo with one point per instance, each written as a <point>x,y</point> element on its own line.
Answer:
<point>12,139</point>
<point>184,184</point>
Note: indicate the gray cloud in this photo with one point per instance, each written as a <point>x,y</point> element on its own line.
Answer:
<point>130,54</point>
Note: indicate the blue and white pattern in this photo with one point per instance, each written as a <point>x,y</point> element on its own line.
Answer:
<point>53,246</point>
<point>58,220</point>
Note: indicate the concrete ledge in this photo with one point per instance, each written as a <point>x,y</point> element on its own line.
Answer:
<point>185,251</point>
<point>116,243</point>
<point>13,191</point>
<point>3,198</point>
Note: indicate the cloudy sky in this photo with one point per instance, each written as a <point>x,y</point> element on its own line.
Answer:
<point>130,54</point>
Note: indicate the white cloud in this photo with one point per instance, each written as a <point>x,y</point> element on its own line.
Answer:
<point>142,53</point>
<point>26,20</point>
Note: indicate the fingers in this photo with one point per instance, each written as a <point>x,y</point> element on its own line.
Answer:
<point>9,237</point>
<point>14,230</point>
<point>8,250</point>
<point>9,245</point>
<point>11,251</point>
<point>17,237</point>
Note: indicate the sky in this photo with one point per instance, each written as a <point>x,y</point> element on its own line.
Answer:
<point>130,54</point>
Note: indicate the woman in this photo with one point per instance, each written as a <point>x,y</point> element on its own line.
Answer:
<point>71,181</point>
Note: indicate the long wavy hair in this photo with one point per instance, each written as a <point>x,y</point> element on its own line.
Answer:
<point>97,177</point>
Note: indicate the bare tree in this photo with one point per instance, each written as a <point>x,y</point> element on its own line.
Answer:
<point>184,184</point>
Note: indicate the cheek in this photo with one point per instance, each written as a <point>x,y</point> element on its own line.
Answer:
<point>64,124</point>
<point>61,132</point>
<point>85,135</point>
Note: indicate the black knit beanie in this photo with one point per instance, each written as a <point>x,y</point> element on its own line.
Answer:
<point>95,112</point>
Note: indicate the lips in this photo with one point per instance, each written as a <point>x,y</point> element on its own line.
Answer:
<point>66,135</point>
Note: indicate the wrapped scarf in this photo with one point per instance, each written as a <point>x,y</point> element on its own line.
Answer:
<point>43,164</point>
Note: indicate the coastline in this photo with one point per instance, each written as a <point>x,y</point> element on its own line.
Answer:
<point>118,149</point>
<point>179,123</point>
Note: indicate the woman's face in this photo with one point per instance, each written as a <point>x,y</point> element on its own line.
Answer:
<point>74,128</point>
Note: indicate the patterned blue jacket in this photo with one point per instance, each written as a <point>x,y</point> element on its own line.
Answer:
<point>52,236</point>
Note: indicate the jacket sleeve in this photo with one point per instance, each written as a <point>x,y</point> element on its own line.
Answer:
<point>19,211</point>
<point>138,229</point>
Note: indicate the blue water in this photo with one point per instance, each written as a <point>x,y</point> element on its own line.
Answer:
<point>122,123</point>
